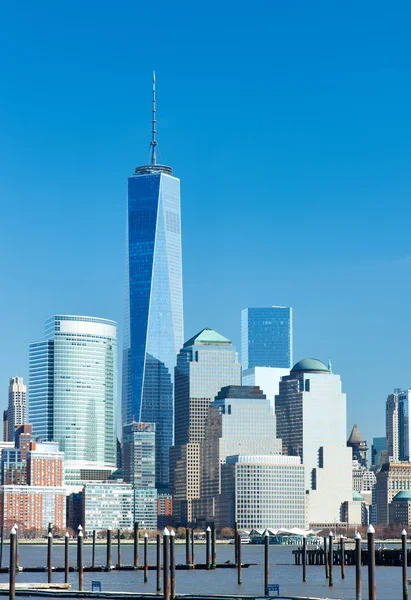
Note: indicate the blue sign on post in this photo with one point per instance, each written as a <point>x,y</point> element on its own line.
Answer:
<point>96,586</point>
<point>273,587</point>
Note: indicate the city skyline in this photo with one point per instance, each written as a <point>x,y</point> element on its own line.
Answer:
<point>336,135</point>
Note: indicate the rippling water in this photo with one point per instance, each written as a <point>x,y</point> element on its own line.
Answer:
<point>220,581</point>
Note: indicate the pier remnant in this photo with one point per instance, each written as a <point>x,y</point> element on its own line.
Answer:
<point>372,587</point>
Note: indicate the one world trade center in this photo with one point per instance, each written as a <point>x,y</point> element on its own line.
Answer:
<point>153,333</point>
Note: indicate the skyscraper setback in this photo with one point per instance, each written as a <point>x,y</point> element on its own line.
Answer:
<point>154,301</point>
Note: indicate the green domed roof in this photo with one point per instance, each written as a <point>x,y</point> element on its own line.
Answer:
<point>356,495</point>
<point>403,497</point>
<point>310,365</point>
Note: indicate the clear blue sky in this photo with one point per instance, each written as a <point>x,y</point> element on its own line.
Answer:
<point>289,124</point>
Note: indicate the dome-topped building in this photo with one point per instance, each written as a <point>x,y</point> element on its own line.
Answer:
<point>310,365</point>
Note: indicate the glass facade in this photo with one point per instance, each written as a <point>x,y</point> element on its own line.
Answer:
<point>379,444</point>
<point>139,454</point>
<point>266,337</point>
<point>154,306</point>
<point>74,375</point>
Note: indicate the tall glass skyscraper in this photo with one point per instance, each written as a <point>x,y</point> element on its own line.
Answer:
<point>154,302</point>
<point>73,394</point>
<point>266,337</point>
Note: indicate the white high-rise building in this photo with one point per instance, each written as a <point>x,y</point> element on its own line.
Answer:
<point>16,412</point>
<point>312,422</point>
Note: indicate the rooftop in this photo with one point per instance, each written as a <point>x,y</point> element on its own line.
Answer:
<point>355,436</point>
<point>241,391</point>
<point>207,336</point>
<point>403,497</point>
<point>310,365</point>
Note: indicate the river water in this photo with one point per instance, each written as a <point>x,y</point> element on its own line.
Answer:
<point>221,581</point>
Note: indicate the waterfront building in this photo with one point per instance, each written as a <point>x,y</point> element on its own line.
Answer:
<point>145,507</point>
<point>45,465</point>
<point>139,453</point>
<point>266,337</point>
<point>164,511</point>
<point>240,420</point>
<point>263,491</point>
<point>311,421</point>
<point>107,505</point>
<point>16,412</point>
<point>359,446</point>
<point>400,510</point>
<point>392,477</point>
<point>5,425</point>
<point>73,394</point>
<point>32,508</point>
<point>398,430</point>
<point>13,468</point>
<point>207,362</point>
<point>379,446</point>
<point>154,302</point>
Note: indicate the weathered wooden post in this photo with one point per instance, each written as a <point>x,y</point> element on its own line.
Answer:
<point>372,587</point>
<point>145,557</point>
<point>266,562</point>
<point>118,548</point>
<point>304,558</point>
<point>17,548</point>
<point>12,567</point>
<point>66,557</point>
<point>49,557</point>
<point>342,556</point>
<point>1,546</point>
<point>358,584</point>
<point>93,550</point>
<point>192,546</point>
<point>166,564</point>
<point>80,561</point>
<point>135,545</point>
<point>235,542</point>
<point>158,562</point>
<point>214,546</point>
<point>188,558</point>
<point>404,565</point>
<point>208,543</point>
<point>325,557</point>
<point>109,553</point>
<point>330,559</point>
<point>239,565</point>
<point>172,564</point>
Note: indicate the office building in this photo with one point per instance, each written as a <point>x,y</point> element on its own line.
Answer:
<point>379,446</point>
<point>154,302</point>
<point>73,394</point>
<point>13,468</point>
<point>240,420</point>
<point>260,492</point>
<point>400,510</point>
<point>266,337</point>
<point>139,455</point>
<point>108,504</point>
<point>398,430</point>
<point>392,477</point>
<point>207,362</point>
<point>45,465</point>
<point>267,379</point>
<point>16,412</point>
<point>32,508</point>
<point>164,511</point>
<point>363,479</point>
<point>312,422</point>
<point>23,437</point>
<point>145,507</point>
<point>358,445</point>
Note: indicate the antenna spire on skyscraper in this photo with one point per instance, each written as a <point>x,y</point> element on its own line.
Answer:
<point>153,142</point>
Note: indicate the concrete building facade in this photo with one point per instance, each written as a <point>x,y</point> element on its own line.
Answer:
<point>16,412</point>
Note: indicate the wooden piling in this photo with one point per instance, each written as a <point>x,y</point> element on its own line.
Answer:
<point>239,565</point>
<point>13,565</point>
<point>145,558</point>
<point>188,558</point>
<point>214,546</point>
<point>49,557</point>
<point>17,548</point>
<point>404,565</point>
<point>358,584</point>
<point>166,564</point>
<point>109,560</point>
<point>342,556</point>
<point>1,546</point>
<point>135,545</point>
<point>325,557</point>
<point>266,562</point>
<point>80,561</point>
<point>304,559</point>
<point>158,562</point>
<point>372,587</point>
<point>172,565</point>
<point>93,551</point>
<point>235,543</point>
<point>118,547</point>
<point>192,547</point>
<point>66,557</point>
<point>208,543</point>
<point>330,559</point>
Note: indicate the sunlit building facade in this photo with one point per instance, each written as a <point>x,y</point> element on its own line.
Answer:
<point>266,337</point>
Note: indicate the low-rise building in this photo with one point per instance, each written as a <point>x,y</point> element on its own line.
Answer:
<point>108,504</point>
<point>32,508</point>
<point>45,464</point>
<point>262,491</point>
<point>400,510</point>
